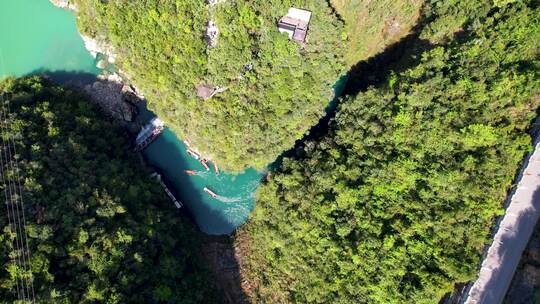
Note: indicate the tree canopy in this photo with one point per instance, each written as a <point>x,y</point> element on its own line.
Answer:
<point>100,230</point>
<point>276,89</point>
<point>395,203</point>
<point>373,25</point>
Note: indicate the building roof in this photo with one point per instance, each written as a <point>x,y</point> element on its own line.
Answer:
<point>299,14</point>
<point>295,24</point>
<point>205,91</point>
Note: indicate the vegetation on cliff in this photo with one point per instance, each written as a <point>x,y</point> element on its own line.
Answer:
<point>395,203</point>
<point>276,89</point>
<point>373,25</point>
<point>99,229</point>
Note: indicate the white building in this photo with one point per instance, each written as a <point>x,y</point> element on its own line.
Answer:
<point>295,24</point>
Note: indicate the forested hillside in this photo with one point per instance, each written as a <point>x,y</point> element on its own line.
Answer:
<point>395,203</point>
<point>373,25</point>
<point>276,89</point>
<point>99,229</point>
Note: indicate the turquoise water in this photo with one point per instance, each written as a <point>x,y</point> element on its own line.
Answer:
<point>219,215</point>
<point>35,37</point>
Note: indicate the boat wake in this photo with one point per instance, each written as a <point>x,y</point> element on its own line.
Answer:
<point>202,173</point>
<point>224,199</point>
<point>237,213</point>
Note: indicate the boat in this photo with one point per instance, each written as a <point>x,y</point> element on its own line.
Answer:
<point>216,169</point>
<point>203,162</point>
<point>186,142</point>
<point>190,172</point>
<point>212,194</point>
<point>148,133</point>
<point>193,153</point>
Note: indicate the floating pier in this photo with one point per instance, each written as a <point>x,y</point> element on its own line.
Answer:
<point>148,133</point>
<point>176,202</point>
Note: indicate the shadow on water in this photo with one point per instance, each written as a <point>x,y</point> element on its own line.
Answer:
<point>217,250</point>
<point>375,71</point>
<point>66,78</point>
<point>172,163</point>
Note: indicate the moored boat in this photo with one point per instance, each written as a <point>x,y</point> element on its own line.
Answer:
<point>203,162</point>
<point>193,153</point>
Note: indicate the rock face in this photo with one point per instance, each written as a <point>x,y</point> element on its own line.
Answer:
<point>114,97</point>
<point>525,287</point>
<point>65,4</point>
<point>223,262</point>
<point>98,46</point>
<point>110,92</point>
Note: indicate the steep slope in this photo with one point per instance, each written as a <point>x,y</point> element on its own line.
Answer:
<point>99,229</point>
<point>276,89</point>
<point>395,203</point>
<point>373,25</point>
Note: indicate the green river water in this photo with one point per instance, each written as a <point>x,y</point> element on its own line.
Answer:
<point>36,37</point>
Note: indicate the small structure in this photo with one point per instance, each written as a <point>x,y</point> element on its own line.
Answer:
<point>206,91</point>
<point>295,24</point>
<point>148,133</point>
<point>158,177</point>
<point>211,34</point>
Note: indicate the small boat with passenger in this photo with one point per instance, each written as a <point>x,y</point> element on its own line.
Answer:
<point>210,192</point>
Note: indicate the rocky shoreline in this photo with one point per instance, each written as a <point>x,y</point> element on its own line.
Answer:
<point>114,94</point>
<point>110,91</point>
<point>65,4</point>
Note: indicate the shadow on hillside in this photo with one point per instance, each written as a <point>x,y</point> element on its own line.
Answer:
<point>66,78</point>
<point>522,210</point>
<point>525,284</point>
<point>217,251</point>
<point>375,71</point>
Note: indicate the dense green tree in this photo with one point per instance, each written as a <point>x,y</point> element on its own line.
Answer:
<point>100,230</point>
<point>276,88</point>
<point>395,203</point>
<point>373,25</point>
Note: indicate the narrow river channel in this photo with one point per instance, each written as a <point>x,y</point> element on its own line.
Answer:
<point>52,44</point>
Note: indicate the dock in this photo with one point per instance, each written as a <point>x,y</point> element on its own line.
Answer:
<point>176,202</point>
<point>148,133</point>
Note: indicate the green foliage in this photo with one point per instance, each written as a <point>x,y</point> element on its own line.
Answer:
<point>373,25</point>
<point>99,229</point>
<point>446,17</point>
<point>396,202</point>
<point>265,109</point>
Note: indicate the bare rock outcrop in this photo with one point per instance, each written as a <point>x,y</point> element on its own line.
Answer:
<point>99,46</point>
<point>65,4</point>
<point>114,97</point>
